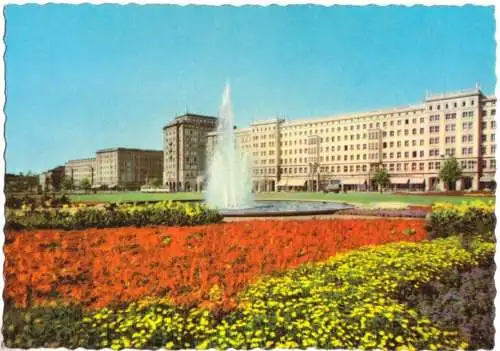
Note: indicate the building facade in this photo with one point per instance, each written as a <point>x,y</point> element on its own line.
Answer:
<point>78,170</point>
<point>51,180</point>
<point>19,183</point>
<point>184,151</point>
<point>411,142</point>
<point>127,168</point>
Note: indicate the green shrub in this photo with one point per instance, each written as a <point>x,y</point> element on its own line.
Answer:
<point>475,217</point>
<point>32,202</point>
<point>68,218</point>
<point>49,327</point>
<point>460,300</point>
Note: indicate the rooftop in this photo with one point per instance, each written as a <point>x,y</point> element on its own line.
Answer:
<point>82,160</point>
<point>184,119</point>
<point>453,95</point>
<point>113,149</point>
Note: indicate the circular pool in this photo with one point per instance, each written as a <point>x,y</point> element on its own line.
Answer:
<point>285,208</point>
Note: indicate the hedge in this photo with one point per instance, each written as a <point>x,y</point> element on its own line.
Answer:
<point>81,217</point>
<point>469,218</point>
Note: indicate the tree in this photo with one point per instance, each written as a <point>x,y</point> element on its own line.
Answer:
<point>156,183</point>
<point>450,172</point>
<point>382,179</point>
<point>67,184</point>
<point>55,180</point>
<point>85,184</point>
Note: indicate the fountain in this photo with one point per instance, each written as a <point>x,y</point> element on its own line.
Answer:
<point>229,178</point>
<point>229,187</point>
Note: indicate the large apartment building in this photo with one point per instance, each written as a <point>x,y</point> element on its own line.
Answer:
<point>411,142</point>
<point>127,168</point>
<point>78,170</point>
<point>184,151</point>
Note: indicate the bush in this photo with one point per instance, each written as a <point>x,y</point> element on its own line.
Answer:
<point>348,302</point>
<point>410,213</point>
<point>68,218</point>
<point>33,202</point>
<point>49,327</point>
<point>461,300</point>
<point>467,219</point>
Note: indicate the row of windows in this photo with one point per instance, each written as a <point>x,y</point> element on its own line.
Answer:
<point>492,123</point>
<point>406,132</point>
<point>414,166</point>
<point>432,130</point>
<point>406,154</point>
<point>455,105</point>
<point>468,138</point>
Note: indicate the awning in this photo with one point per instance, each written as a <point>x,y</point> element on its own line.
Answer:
<point>283,182</point>
<point>417,180</point>
<point>296,182</point>
<point>353,181</point>
<point>399,180</point>
<point>487,178</point>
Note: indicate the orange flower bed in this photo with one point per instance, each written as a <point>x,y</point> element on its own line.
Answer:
<point>193,265</point>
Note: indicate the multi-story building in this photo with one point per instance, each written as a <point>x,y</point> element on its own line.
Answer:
<point>78,170</point>
<point>184,146</point>
<point>21,183</point>
<point>127,168</point>
<point>411,142</point>
<point>51,180</point>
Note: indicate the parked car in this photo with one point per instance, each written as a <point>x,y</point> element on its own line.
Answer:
<point>333,186</point>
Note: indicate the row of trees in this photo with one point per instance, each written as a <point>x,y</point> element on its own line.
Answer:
<point>449,173</point>
<point>67,184</point>
<point>85,184</point>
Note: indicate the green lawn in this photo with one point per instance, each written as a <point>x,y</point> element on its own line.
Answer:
<point>351,197</point>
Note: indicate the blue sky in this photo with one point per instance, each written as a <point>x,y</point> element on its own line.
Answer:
<point>84,77</point>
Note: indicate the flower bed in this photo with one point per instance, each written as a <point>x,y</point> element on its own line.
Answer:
<point>402,213</point>
<point>469,218</point>
<point>121,215</point>
<point>96,267</point>
<point>350,301</point>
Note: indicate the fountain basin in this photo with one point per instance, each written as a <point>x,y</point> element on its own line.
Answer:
<point>273,208</point>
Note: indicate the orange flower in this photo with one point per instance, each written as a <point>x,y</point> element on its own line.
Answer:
<point>96,267</point>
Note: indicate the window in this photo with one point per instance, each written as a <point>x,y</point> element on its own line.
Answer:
<point>414,154</point>
<point>422,153</point>
<point>434,140</point>
<point>450,152</point>
<point>492,137</point>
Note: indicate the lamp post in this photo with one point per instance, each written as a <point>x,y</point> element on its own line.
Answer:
<point>313,174</point>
